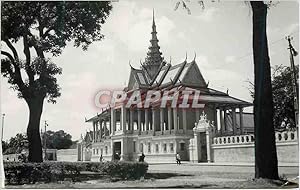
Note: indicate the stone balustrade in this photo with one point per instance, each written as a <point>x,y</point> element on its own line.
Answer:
<point>286,136</point>
<point>238,139</point>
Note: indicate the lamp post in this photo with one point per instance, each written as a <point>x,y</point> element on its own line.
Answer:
<point>3,115</point>
<point>45,142</point>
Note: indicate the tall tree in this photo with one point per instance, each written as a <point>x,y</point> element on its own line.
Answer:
<point>44,27</point>
<point>266,164</point>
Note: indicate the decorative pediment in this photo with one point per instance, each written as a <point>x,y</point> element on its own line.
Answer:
<point>203,124</point>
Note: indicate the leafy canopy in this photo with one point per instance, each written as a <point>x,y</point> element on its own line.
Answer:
<point>45,27</point>
<point>16,144</point>
<point>57,140</point>
<point>283,95</point>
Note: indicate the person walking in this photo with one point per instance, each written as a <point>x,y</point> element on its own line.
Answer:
<point>142,157</point>
<point>178,161</point>
<point>101,158</point>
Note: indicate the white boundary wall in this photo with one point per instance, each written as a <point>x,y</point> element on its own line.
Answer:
<point>240,149</point>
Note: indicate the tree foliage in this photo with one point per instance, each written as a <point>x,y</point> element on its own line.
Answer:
<point>15,144</point>
<point>283,96</point>
<point>44,28</point>
<point>57,140</point>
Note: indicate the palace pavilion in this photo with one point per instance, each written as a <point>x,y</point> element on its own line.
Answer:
<point>160,133</point>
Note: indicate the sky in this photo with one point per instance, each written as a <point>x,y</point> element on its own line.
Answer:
<point>220,36</point>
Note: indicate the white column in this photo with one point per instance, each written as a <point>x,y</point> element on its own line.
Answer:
<point>139,121</point>
<point>104,128</point>
<point>94,129</point>
<point>184,119</point>
<point>234,121</point>
<point>123,118</point>
<point>146,120</point>
<point>102,123</point>
<point>98,126</point>
<point>197,147</point>
<point>113,121</point>
<point>169,119</point>
<point>175,119</point>
<point>225,122</point>
<point>161,120</point>
<point>109,126</point>
<point>241,121</point>
<point>153,121</point>
<point>222,130</point>
<point>208,145</point>
<point>215,119</point>
<point>131,119</point>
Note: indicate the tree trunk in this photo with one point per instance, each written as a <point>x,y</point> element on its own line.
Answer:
<point>33,129</point>
<point>266,165</point>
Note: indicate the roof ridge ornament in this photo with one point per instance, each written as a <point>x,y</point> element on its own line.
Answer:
<point>185,56</point>
<point>195,57</point>
<point>131,65</point>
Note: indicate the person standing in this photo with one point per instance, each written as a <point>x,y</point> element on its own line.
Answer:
<point>178,161</point>
<point>142,157</point>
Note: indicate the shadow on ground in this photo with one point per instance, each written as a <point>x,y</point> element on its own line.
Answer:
<point>163,175</point>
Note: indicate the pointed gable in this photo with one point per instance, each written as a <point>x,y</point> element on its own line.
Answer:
<point>191,75</point>
<point>137,79</point>
<point>132,81</point>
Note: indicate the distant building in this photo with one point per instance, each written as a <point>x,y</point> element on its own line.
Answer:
<point>157,132</point>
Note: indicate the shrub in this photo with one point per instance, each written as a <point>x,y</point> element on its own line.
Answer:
<point>122,169</point>
<point>20,173</point>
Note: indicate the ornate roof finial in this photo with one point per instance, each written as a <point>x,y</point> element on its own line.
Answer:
<point>154,58</point>
<point>195,57</point>
<point>153,22</point>
<point>185,56</point>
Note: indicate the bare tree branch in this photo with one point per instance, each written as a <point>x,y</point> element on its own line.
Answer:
<point>17,74</point>
<point>10,57</point>
<point>13,49</point>
<point>28,69</point>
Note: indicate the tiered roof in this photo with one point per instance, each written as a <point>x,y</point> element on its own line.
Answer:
<point>156,74</point>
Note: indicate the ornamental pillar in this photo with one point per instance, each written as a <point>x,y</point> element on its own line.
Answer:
<point>153,121</point>
<point>184,119</point>
<point>113,121</point>
<point>131,120</point>
<point>123,118</point>
<point>233,121</point>
<point>175,119</point>
<point>241,121</point>
<point>139,121</point>
<point>146,120</point>
<point>161,120</point>
<point>169,119</point>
